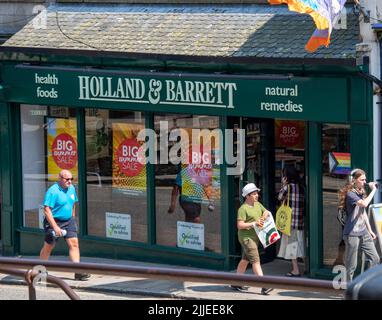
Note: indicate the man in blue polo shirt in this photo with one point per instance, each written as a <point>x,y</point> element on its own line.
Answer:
<point>60,211</point>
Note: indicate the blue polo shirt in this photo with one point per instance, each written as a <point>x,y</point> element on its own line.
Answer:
<point>61,201</point>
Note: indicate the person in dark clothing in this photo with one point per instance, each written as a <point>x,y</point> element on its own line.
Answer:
<point>191,209</point>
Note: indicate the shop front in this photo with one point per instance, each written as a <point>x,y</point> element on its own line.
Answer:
<point>129,96</point>
<point>96,121</point>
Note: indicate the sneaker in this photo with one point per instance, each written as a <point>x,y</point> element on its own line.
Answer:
<point>266,291</point>
<point>81,276</point>
<point>239,288</point>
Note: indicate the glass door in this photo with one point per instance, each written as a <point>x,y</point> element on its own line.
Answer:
<point>290,153</point>
<point>259,168</point>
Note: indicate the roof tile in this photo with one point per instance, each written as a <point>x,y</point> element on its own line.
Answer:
<point>239,31</point>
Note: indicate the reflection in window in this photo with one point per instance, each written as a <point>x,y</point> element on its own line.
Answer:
<point>49,145</point>
<point>116,179</point>
<point>335,168</point>
<point>188,209</point>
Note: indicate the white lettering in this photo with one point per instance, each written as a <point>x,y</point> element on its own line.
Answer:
<point>281,107</point>
<point>157,309</point>
<point>52,93</point>
<point>84,87</point>
<point>277,91</point>
<point>231,87</point>
<point>64,145</point>
<point>49,79</point>
<point>199,90</point>
<point>170,85</point>
<point>197,93</point>
<point>190,91</point>
<point>94,86</point>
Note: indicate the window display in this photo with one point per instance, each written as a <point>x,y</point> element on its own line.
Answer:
<point>188,210</point>
<point>336,166</point>
<point>49,145</point>
<point>116,179</point>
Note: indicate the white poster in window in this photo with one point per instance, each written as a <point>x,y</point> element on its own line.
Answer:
<point>190,235</point>
<point>41,216</point>
<point>118,226</point>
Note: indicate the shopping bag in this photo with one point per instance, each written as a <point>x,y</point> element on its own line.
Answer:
<point>341,216</point>
<point>284,217</point>
<point>268,233</point>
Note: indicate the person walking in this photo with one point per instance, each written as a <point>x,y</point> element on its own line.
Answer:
<point>357,232</point>
<point>60,211</point>
<point>192,209</point>
<point>251,213</point>
<point>292,247</point>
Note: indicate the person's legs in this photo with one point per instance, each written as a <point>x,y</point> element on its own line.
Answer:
<point>242,266</point>
<point>74,249</point>
<point>46,251</point>
<point>368,247</point>
<point>256,268</point>
<point>351,256</point>
<point>192,211</point>
<point>252,253</point>
<point>197,220</point>
<point>295,268</point>
<point>74,255</point>
<point>49,242</point>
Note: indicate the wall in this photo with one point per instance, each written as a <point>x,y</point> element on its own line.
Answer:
<point>370,47</point>
<point>14,15</point>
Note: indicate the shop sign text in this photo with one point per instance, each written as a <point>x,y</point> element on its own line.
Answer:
<point>154,91</point>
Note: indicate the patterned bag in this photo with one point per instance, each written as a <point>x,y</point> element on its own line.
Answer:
<point>284,217</point>
<point>341,216</point>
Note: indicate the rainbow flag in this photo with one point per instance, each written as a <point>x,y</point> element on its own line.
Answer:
<point>324,13</point>
<point>339,163</point>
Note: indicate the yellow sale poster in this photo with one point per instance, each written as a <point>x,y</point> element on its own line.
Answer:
<point>62,147</point>
<point>129,173</point>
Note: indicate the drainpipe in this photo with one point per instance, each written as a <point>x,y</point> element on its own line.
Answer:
<point>377,28</point>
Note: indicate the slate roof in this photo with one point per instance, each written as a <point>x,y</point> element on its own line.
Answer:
<point>192,30</point>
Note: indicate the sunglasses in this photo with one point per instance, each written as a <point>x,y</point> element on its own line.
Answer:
<point>67,179</point>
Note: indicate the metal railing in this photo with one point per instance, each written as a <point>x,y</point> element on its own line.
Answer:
<point>300,284</point>
<point>30,275</point>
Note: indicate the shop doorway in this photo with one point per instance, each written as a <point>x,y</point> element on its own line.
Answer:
<point>270,146</point>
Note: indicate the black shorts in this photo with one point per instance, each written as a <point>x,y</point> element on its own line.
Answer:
<point>192,210</point>
<point>69,225</point>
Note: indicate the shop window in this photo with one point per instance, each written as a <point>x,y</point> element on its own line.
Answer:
<point>336,167</point>
<point>49,145</point>
<point>188,209</point>
<point>116,180</point>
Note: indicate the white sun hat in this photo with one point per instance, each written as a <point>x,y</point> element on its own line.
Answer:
<point>249,188</point>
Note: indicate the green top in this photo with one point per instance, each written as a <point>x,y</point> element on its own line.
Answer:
<point>249,214</point>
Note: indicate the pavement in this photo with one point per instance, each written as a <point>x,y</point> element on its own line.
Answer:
<point>175,289</point>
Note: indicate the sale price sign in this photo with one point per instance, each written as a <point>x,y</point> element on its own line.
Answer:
<point>64,151</point>
<point>129,169</point>
<point>62,147</point>
<point>128,155</point>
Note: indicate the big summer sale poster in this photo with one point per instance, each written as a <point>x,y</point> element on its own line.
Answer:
<point>129,174</point>
<point>201,179</point>
<point>62,147</point>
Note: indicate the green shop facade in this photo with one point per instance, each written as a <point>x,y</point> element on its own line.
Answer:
<point>74,110</point>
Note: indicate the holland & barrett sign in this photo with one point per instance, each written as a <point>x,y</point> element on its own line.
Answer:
<point>290,98</point>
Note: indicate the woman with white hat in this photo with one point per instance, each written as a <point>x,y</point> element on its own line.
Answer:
<point>251,213</point>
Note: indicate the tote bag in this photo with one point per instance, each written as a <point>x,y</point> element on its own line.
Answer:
<point>284,217</point>
<point>268,233</point>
